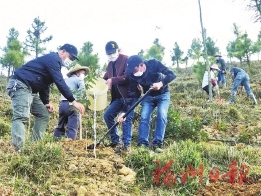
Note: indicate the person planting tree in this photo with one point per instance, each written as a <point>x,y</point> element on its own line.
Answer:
<point>240,77</point>
<point>29,90</point>
<point>67,114</point>
<point>205,84</point>
<point>150,75</point>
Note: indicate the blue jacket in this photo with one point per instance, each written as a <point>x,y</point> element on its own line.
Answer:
<point>40,73</point>
<point>155,72</point>
<point>222,64</point>
<point>235,70</point>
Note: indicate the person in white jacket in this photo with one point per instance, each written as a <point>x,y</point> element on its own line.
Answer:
<point>205,87</point>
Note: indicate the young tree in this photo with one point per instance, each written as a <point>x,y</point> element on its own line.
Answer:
<point>176,55</point>
<point>141,53</point>
<point>255,5</point>
<point>211,48</point>
<point>86,58</point>
<point>244,48</point>
<point>156,51</point>
<point>195,51</point>
<point>14,54</point>
<point>231,47</point>
<point>13,34</point>
<point>257,44</point>
<point>33,40</point>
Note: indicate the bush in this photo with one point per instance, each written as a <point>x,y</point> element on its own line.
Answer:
<point>37,162</point>
<point>4,128</point>
<point>182,129</point>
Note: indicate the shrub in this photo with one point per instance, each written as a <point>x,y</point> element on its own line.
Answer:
<point>37,162</point>
<point>4,128</point>
<point>183,128</point>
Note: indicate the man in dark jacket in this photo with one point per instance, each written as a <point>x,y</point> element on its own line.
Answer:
<point>150,74</point>
<point>118,85</point>
<point>222,72</point>
<point>29,90</point>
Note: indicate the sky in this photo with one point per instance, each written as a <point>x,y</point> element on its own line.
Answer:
<point>133,24</point>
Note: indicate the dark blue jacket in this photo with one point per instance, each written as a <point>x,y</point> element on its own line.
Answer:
<point>40,73</point>
<point>222,64</point>
<point>235,70</point>
<point>155,72</point>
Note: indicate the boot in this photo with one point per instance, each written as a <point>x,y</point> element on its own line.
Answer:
<point>233,97</point>
<point>252,96</point>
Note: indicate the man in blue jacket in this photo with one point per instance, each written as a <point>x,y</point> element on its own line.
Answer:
<point>29,90</point>
<point>240,77</point>
<point>150,74</point>
<point>222,72</point>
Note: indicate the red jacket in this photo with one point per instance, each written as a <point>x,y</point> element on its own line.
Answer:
<point>121,80</point>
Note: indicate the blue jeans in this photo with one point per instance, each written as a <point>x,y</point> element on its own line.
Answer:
<point>242,79</point>
<point>221,78</point>
<point>109,116</point>
<point>148,105</point>
<point>24,102</point>
<point>69,116</point>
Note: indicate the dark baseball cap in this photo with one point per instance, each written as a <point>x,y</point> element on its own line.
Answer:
<point>71,49</point>
<point>132,62</point>
<point>111,47</point>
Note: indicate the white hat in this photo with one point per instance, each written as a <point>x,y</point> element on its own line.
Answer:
<point>215,66</point>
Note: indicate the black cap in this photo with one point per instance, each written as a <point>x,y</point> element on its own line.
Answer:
<point>71,49</point>
<point>132,62</point>
<point>111,47</point>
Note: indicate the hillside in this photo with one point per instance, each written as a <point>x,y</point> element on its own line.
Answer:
<point>199,133</point>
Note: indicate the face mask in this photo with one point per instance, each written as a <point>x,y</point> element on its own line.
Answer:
<point>217,58</point>
<point>113,57</point>
<point>82,76</point>
<point>67,62</point>
<point>138,74</point>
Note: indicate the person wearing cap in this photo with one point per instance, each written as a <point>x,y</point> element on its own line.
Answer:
<point>67,114</point>
<point>118,85</point>
<point>222,72</point>
<point>150,74</point>
<point>240,77</point>
<point>205,82</point>
<point>29,90</point>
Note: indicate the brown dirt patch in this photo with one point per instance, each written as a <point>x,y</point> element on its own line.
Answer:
<point>223,188</point>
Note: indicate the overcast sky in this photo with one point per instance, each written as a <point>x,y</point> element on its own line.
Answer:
<point>131,23</point>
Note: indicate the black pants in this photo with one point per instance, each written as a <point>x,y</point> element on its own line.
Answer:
<point>206,89</point>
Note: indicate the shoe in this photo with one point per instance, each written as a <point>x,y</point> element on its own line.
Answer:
<point>143,146</point>
<point>157,149</point>
<point>113,145</point>
<point>122,149</point>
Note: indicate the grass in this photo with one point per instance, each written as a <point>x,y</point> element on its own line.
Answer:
<point>42,169</point>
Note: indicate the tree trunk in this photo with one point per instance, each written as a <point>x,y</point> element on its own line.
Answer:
<point>205,52</point>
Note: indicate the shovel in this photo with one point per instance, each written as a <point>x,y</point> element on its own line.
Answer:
<point>116,124</point>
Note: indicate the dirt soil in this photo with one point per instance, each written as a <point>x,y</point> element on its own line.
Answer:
<point>86,174</point>
<point>103,171</point>
<point>106,174</point>
<point>226,189</point>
